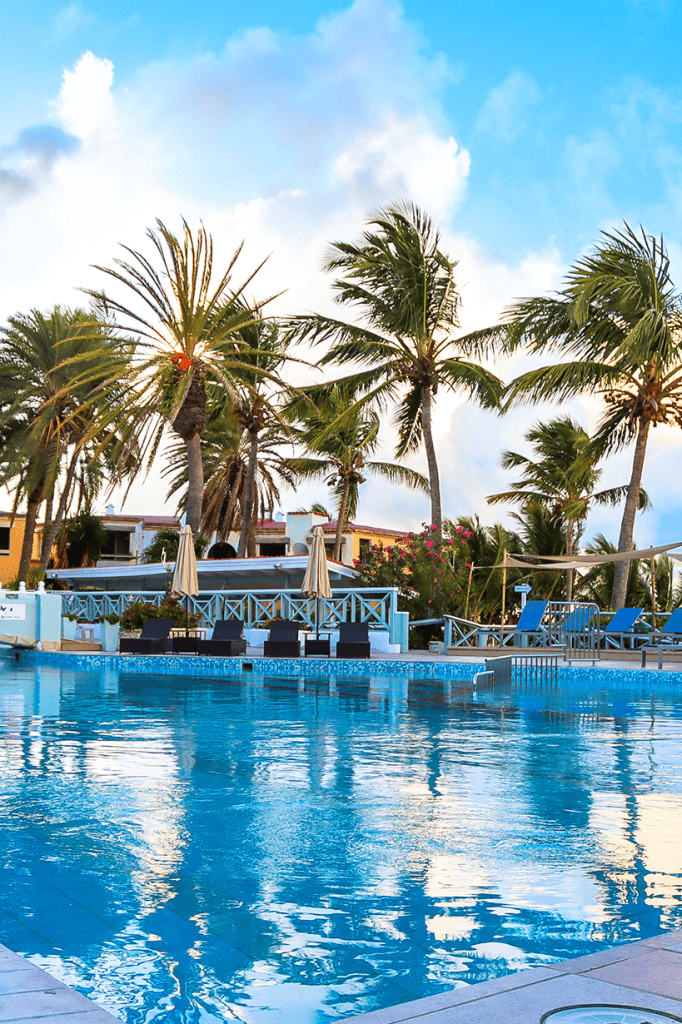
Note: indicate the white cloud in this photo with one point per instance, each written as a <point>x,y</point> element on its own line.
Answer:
<point>403,160</point>
<point>85,103</point>
<point>505,112</point>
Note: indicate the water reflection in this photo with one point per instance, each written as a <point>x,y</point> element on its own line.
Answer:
<point>293,851</point>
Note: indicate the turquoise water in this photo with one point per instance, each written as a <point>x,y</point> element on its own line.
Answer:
<point>193,850</point>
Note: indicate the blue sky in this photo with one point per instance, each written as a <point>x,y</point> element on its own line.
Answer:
<point>524,127</point>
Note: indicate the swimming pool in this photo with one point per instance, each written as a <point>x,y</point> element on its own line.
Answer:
<point>295,851</point>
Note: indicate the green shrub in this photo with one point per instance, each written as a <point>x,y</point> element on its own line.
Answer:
<point>137,613</point>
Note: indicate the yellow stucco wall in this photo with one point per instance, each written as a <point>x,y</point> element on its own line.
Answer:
<point>385,540</point>
<point>9,563</point>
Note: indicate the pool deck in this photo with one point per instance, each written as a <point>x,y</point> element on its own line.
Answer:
<point>646,975</point>
<point>29,994</point>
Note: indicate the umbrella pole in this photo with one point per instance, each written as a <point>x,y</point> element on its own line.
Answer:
<point>187,617</point>
<point>317,617</point>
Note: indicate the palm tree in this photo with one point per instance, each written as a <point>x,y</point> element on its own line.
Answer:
<point>188,330</point>
<point>562,480</point>
<point>342,458</point>
<point>256,400</point>
<point>403,288</point>
<point>53,372</point>
<point>619,321</point>
<point>227,458</point>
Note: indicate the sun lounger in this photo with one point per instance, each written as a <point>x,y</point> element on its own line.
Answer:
<point>527,629</point>
<point>670,631</point>
<point>620,627</point>
<point>668,638</point>
<point>227,639</point>
<point>353,640</point>
<point>154,638</point>
<point>283,640</point>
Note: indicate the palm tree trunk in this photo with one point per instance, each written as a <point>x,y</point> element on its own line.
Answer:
<point>627,526</point>
<point>434,479</point>
<point>569,551</point>
<point>195,482</point>
<point>249,492</point>
<point>341,519</point>
<point>33,504</point>
<point>50,533</point>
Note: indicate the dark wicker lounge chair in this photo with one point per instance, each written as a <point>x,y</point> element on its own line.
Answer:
<point>353,640</point>
<point>154,638</point>
<point>283,641</point>
<point>227,639</point>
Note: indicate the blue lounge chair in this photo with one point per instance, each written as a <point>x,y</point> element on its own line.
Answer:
<point>528,625</point>
<point>226,641</point>
<point>671,631</point>
<point>667,638</point>
<point>620,627</point>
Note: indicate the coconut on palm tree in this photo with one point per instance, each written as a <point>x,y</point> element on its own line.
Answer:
<point>618,324</point>
<point>187,322</point>
<point>402,346</point>
<point>562,480</point>
<point>343,458</point>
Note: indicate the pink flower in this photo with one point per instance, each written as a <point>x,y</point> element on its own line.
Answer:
<point>468,565</point>
<point>468,533</point>
<point>429,543</point>
<point>459,529</point>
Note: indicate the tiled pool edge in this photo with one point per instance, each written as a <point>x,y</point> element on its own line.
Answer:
<point>173,665</point>
<point>646,975</point>
<point>28,993</point>
<point>319,668</point>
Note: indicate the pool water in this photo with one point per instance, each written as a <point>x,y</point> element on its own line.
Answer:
<point>293,852</point>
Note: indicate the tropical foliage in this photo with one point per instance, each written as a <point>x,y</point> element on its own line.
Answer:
<point>342,458</point>
<point>187,325</point>
<point>402,287</point>
<point>617,325</point>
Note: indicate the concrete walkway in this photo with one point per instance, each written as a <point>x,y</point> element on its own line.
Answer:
<point>645,975</point>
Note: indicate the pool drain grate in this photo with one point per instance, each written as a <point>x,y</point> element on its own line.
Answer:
<point>601,1013</point>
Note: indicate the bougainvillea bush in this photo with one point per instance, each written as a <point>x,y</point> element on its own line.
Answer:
<point>431,572</point>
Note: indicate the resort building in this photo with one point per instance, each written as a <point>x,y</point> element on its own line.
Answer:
<point>292,535</point>
<point>127,536</point>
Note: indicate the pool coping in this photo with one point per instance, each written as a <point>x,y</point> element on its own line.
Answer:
<point>27,993</point>
<point>644,975</point>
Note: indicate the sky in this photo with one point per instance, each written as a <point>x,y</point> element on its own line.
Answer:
<point>524,129</point>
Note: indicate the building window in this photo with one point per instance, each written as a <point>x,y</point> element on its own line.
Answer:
<point>117,544</point>
<point>4,540</point>
<point>272,550</point>
<point>365,545</point>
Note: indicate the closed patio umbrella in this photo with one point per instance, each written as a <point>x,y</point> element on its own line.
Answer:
<point>316,580</point>
<point>185,580</point>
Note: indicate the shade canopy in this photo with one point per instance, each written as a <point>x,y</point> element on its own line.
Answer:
<point>316,580</point>
<point>185,579</point>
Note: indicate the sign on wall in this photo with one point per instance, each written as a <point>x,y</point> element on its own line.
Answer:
<point>12,610</point>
